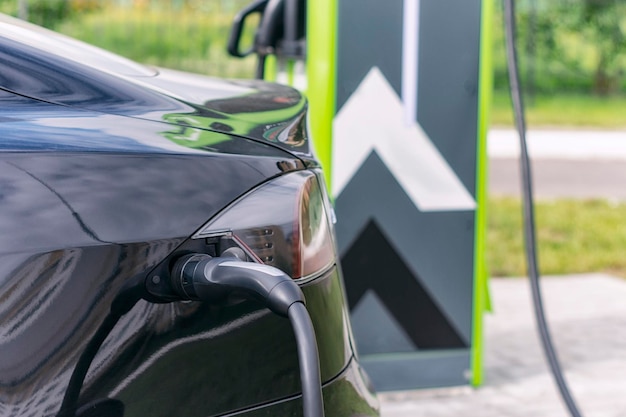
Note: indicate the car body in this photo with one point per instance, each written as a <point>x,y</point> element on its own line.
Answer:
<point>108,170</point>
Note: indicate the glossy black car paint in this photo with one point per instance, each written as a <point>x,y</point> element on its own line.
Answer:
<point>50,68</point>
<point>103,174</point>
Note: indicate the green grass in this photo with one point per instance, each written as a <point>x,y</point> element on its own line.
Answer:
<point>574,236</point>
<point>172,38</point>
<point>571,110</point>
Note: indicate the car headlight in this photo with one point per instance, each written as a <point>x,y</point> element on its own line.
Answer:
<point>283,223</point>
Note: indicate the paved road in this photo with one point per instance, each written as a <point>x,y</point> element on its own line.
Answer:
<point>577,164</point>
<point>588,318</point>
<point>554,178</point>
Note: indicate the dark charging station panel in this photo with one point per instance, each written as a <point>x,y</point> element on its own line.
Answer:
<point>404,182</point>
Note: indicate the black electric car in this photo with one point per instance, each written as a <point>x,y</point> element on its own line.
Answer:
<point>121,186</point>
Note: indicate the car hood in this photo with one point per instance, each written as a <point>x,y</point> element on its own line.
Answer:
<point>44,65</point>
<point>253,109</point>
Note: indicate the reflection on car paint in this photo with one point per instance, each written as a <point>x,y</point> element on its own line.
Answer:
<point>259,111</point>
<point>58,304</point>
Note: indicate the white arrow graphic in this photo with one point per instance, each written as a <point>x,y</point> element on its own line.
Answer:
<point>373,120</point>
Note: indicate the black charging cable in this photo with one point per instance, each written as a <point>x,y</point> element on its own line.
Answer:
<point>215,280</point>
<point>529,213</point>
<point>124,301</point>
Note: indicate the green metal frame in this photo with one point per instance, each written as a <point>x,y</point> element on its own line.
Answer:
<point>482,301</point>
<point>321,72</point>
<point>271,68</point>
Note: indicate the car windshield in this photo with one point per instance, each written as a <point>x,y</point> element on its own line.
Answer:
<point>46,40</point>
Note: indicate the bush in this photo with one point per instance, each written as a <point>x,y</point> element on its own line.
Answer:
<point>567,46</point>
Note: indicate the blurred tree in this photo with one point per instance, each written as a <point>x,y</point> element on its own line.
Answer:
<point>602,23</point>
<point>569,46</point>
<point>48,13</point>
<point>587,37</point>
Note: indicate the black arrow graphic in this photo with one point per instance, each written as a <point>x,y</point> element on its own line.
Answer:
<point>431,248</point>
<point>373,264</point>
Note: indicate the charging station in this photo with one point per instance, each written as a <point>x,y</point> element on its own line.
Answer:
<point>398,94</point>
<point>408,181</point>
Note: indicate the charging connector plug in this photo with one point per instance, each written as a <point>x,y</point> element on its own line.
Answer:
<point>217,280</point>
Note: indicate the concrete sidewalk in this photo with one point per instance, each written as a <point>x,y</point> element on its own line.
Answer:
<point>559,144</point>
<point>587,314</point>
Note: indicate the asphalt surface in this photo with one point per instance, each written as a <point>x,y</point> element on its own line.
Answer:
<point>587,313</point>
<point>561,178</point>
<point>565,164</point>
